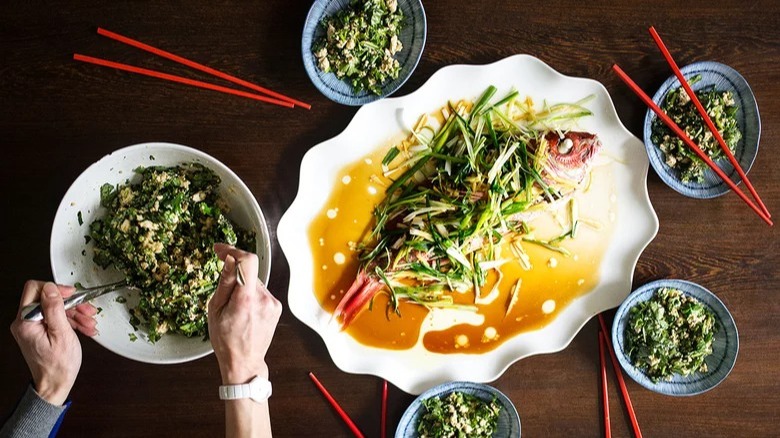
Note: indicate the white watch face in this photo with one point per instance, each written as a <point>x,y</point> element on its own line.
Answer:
<point>260,389</point>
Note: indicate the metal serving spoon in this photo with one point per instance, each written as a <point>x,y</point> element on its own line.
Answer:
<point>34,312</point>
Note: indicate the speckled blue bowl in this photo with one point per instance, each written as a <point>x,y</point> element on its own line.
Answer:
<point>723,78</point>
<point>412,36</point>
<point>508,419</point>
<point>725,344</point>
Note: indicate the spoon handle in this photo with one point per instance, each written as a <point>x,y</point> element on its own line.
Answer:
<point>34,312</point>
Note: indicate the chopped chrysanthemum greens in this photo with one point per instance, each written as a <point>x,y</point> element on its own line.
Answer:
<point>466,186</point>
<point>669,334</point>
<point>159,233</point>
<point>360,44</point>
<point>721,108</point>
<point>458,415</point>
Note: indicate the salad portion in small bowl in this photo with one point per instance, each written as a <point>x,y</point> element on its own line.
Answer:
<point>460,409</point>
<point>675,337</point>
<point>731,105</point>
<point>359,51</point>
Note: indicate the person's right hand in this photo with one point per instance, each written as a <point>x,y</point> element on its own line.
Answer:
<point>242,319</point>
<point>51,347</point>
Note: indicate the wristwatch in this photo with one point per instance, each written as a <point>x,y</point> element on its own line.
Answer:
<point>259,389</point>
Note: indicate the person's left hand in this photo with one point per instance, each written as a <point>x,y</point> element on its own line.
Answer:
<point>51,347</point>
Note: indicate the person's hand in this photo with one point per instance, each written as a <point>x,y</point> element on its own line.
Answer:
<point>51,347</point>
<point>242,319</point>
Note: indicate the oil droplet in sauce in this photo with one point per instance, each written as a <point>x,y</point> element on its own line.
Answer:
<point>552,283</point>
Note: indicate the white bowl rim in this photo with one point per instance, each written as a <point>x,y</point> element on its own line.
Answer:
<point>263,233</point>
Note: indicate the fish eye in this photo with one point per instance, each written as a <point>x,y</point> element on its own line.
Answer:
<point>565,146</point>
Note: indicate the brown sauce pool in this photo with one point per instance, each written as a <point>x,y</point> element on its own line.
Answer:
<point>552,283</point>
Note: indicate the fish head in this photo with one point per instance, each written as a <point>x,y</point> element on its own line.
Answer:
<point>570,156</point>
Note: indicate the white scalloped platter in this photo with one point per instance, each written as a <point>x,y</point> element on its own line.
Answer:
<point>416,369</point>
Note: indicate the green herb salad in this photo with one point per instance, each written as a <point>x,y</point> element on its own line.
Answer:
<point>722,109</point>
<point>159,233</point>
<point>360,44</point>
<point>458,415</point>
<point>669,334</point>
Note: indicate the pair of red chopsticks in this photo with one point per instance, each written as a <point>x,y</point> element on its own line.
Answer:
<point>760,209</point>
<point>343,414</point>
<point>268,96</point>
<point>605,344</point>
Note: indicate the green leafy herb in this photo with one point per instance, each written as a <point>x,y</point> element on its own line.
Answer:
<point>121,300</point>
<point>721,108</point>
<point>78,216</point>
<point>669,334</point>
<point>107,193</point>
<point>133,337</point>
<point>159,233</point>
<point>360,43</point>
<point>99,310</point>
<point>458,415</point>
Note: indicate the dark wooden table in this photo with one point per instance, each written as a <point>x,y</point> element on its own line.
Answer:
<point>58,116</point>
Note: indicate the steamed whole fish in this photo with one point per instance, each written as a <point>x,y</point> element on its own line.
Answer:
<point>460,193</point>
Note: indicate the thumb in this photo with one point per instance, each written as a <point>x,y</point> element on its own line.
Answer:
<point>227,281</point>
<point>53,309</point>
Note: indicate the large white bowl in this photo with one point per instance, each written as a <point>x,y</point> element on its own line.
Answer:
<point>417,369</point>
<point>70,265</point>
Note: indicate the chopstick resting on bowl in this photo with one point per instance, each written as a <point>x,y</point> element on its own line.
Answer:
<point>707,119</point>
<point>271,96</point>
<point>687,140</point>
<point>621,381</point>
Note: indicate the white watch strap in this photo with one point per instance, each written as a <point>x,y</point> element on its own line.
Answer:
<point>259,390</point>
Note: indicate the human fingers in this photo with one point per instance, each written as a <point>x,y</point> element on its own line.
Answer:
<point>227,282</point>
<point>30,293</point>
<point>83,323</point>
<point>54,310</point>
<point>247,267</point>
<point>222,250</point>
<point>86,309</point>
<point>247,261</point>
<point>66,290</point>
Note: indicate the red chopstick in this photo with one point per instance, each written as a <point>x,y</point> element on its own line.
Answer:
<point>604,393</point>
<point>384,410</point>
<point>673,126</point>
<point>179,79</point>
<point>334,403</point>
<point>197,66</point>
<point>707,119</point>
<point>621,382</point>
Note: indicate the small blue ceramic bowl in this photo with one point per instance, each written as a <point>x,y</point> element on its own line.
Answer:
<point>412,36</point>
<point>723,78</point>
<point>508,419</point>
<point>725,344</point>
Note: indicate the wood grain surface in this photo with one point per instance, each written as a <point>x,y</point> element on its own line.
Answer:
<point>58,116</point>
